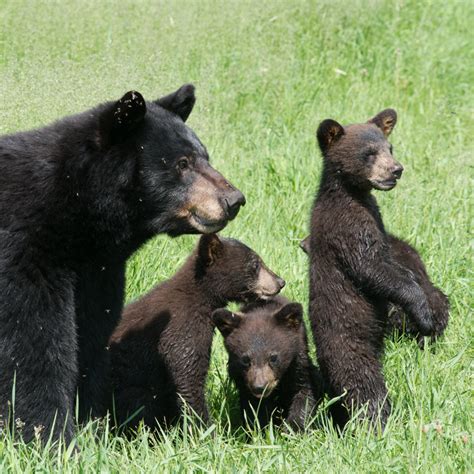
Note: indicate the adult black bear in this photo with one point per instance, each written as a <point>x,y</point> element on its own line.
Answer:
<point>160,351</point>
<point>269,362</point>
<point>353,273</point>
<point>407,256</point>
<point>77,198</point>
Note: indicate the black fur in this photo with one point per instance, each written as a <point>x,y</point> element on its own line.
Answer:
<point>77,198</point>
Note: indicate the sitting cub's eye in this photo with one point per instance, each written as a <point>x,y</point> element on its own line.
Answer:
<point>273,358</point>
<point>183,163</point>
<point>245,361</point>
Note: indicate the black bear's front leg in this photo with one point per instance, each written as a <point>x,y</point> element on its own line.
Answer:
<point>99,302</point>
<point>408,257</point>
<point>38,350</point>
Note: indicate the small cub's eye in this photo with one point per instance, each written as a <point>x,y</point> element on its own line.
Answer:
<point>273,358</point>
<point>245,361</point>
<point>183,163</point>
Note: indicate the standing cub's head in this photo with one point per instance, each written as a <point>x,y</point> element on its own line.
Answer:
<point>361,154</point>
<point>233,271</point>
<point>262,341</point>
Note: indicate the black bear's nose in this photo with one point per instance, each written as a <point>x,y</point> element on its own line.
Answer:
<point>281,283</point>
<point>397,171</point>
<point>233,202</point>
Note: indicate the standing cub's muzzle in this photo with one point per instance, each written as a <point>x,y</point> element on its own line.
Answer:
<point>268,283</point>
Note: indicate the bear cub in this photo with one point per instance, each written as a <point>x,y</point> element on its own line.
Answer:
<point>356,269</point>
<point>161,349</point>
<point>269,362</point>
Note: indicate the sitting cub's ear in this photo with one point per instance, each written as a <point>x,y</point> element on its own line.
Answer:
<point>385,120</point>
<point>226,321</point>
<point>117,121</point>
<point>180,102</point>
<point>291,315</point>
<point>329,131</point>
<point>210,249</point>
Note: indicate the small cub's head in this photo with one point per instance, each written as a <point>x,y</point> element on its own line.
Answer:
<point>233,271</point>
<point>262,342</point>
<point>361,154</point>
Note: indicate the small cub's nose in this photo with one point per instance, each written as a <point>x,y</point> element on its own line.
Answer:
<point>397,171</point>
<point>281,283</point>
<point>234,201</point>
<point>258,389</point>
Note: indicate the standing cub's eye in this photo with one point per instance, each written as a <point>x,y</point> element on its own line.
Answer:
<point>245,360</point>
<point>183,163</point>
<point>256,265</point>
<point>273,358</point>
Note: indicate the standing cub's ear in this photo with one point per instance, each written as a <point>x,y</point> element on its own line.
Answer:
<point>180,102</point>
<point>118,120</point>
<point>210,249</point>
<point>226,321</point>
<point>291,315</point>
<point>329,131</point>
<point>385,120</point>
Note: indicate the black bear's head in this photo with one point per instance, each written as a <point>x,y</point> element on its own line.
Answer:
<point>263,342</point>
<point>174,186</point>
<point>231,271</point>
<point>361,154</point>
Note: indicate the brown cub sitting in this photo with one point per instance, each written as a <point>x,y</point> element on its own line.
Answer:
<point>407,256</point>
<point>353,272</point>
<point>269,362</point>
<point>161,348</point>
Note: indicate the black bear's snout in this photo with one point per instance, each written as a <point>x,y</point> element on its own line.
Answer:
<point>397,171</point>
<point>233,203</point>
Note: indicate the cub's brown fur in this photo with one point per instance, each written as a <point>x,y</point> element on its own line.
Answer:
<point>161,349</point>
<point>269,362</point>
<point>353,272</point>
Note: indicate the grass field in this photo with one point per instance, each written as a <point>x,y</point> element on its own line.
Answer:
<point>266,73</point>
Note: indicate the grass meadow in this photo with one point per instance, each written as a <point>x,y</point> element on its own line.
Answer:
<point>266,74</point>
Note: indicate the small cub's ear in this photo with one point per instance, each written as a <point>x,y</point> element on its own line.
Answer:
<point>180,102</point>
<point>291,315</point>
<point>385,120</point>
<point>304,244</point>
<point>210,249</point>
<point>226,321</point>
<point>117,121</point>
<point>329,131</point>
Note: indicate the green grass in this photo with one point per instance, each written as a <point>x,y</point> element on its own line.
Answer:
<point>266,73</point>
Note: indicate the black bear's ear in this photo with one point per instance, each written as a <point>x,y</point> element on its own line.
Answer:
<point>329,131</point>
<point>226,321</point>
<point>122,117</point>
<point>385,120</point>
<point>180,102</point>
<point>291,315</point>
<point>210,249</point>
<point>304,244</point>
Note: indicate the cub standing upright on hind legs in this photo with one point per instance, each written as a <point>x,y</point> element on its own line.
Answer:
<point>354,273</point>
<point>77,198</point>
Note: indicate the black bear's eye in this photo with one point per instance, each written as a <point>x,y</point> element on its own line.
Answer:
<point>256,265</point>
<point>273,358</point>
<point>245,361</point>
<point>183,163</point>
